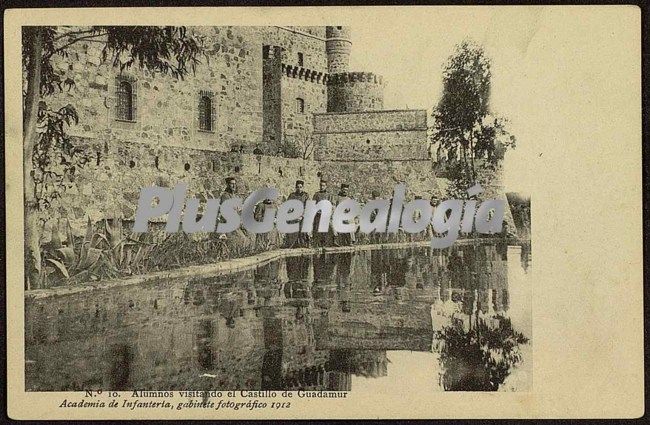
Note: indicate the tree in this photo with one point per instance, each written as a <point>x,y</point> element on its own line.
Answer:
<point>166,50</point>
<point>479,359</point>
<point>299,145</point>
<point>464,127</point>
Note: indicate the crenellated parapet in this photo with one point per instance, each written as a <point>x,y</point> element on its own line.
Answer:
<point>301,73</point>
<point>277,62</point>
<point>354,92</point>
<point>354,77</point>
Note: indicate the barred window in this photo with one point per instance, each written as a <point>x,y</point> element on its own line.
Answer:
<point>300,105</point>
<point>205,113</point>
<point>124,101</point>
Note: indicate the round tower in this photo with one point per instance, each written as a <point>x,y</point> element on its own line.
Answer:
<point>338,46</point>
<point>355,92</point>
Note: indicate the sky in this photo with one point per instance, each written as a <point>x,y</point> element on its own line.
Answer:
<point>548,64</point>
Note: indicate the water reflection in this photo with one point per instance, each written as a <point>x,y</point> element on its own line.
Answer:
<point>322,322</point>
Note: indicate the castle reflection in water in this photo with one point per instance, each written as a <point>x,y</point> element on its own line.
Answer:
<point>309,322</point>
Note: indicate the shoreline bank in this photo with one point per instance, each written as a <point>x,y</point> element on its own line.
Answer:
<point>226,267</point>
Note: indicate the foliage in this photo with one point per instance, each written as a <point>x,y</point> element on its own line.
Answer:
<point>300,145</point>
<point>167,50</point>
<point>103,253</point>
<point>464,127</point>
<point>55,158</point>
<point>461,181</point>
<point>109,250</point>
<point>480,359</point>
<point>49,158</point>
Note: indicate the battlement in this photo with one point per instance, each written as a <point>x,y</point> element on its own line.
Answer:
<point>301,73</point>
<point>355,91</point>
<point>354,77</point>
<point>276,57</point>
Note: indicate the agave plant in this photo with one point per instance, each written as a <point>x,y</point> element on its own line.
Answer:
<point>69,260</point>
<point>103,253</point>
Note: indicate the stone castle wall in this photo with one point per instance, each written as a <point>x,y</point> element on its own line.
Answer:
<point>371,136</point>
<point>272,97</point>
<point>254,95</point>
<point>388,120</point>
<point>314,94</point>
<point>364,177</point>
<point>286,80</point>
<point>233,70</point>
<point>375,151</point>
<point>166,108</point>
<point>355,92</point>
<point>109,185</point>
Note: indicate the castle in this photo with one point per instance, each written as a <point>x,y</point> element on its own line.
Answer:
<point>256,90</point>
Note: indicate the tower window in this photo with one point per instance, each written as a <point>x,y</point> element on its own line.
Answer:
<point>206,111</point>
<point>125,100</point>
<point>300,105</point>
<point>301,59</point>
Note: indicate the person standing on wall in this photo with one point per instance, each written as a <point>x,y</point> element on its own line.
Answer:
<point>321,239</point>
<point>374,237</point>
<point>298,239</point>
<point>343,239</point>
<point>230,191</point>
<point>239,240</point>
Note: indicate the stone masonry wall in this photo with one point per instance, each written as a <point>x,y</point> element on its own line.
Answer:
<point>355,92</point>
<point>364,177</point>
<point>109,185</point>
<point>306,40</point>
<point>166,111</point>
<point>163,145</point>
<point>371,136</point>
<point>314,95</point>
<point>272,97</point>
<point>406,119</point>
<point>372,146</point>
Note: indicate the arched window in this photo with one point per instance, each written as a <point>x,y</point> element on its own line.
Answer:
<point>124,104</point>
<point>300,105</point>
<point>205,113</point>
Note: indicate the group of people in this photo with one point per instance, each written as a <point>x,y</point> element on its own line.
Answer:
<point>315,238</point>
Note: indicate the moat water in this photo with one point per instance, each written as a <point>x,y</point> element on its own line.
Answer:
<point>366,321</point>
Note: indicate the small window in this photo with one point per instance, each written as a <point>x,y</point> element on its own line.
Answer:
<point>125,101</point>
<point>206,111</point>
<point>339,28</point>
<point>300,106</point>
<point>301,59</point>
